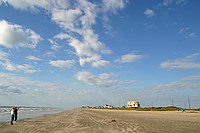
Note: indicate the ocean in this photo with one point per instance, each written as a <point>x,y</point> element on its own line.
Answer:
<point>27,112</point>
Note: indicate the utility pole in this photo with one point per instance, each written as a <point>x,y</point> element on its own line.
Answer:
<point>189,103</point>
<point>185,104</point>
<point>172,102</point>
<point>152,104</point>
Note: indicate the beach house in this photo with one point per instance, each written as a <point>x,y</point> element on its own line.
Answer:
<point>108,106</point>
<point>133,104</point>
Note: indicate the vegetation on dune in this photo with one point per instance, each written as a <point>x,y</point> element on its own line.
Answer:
<point>168,108</point>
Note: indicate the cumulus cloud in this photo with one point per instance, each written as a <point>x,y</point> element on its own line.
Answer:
<point>67,19</point>
<point>77,22</point>
<point>104,79</point>
<point>129,58</point>
<point>15,36</point>
<point>188,62</point>
<point>62,63</point>
<point>89,49</point>
<point>149,13</point>
<point>84,60</point>
<point>110,7</point>
<point>113,5</point>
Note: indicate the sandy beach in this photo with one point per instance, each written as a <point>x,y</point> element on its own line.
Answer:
<point>108,121</point>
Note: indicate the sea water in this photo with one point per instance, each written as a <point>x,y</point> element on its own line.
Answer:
<point>27,112</point>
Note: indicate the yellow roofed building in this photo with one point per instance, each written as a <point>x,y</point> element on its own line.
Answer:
<point>133,104</point>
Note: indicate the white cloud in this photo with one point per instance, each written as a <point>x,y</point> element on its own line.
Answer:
<point>181,2</point>
<point>192,78</point>
<point>91,79</point>
<point>184,30</point>
<point>9,89</point>
<point>33,58</point>
<point>79,21</point>
<point>92,40</point>
<point>89,9</point>
<point>49,54</point>
<point>167,2</point>
<point>35,4</point>
<point>186,83</point>
<point>108,8</point>
<point>187,33</point>
<point>187,62</point>
<point>81,48</point>
<point>62,36</point>
<point>101,63</point>
<point>62,63</point>
<point>55,47</point>
<point>89,49</point>
<point>10,66</point>
<point>149,13</point>
<point>84,60</point>
<point>15,36</point>
<point>129,58</point>
<point>16,84</point>
<point>192,35</point>
<point>113,5</point>
<point>104,79</point>
<point>177,2</point>
<point>67,19</point>
<point>3,56</point>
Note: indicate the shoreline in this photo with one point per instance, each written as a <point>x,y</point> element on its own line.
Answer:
<point>108,121</point>
<point>29,112</point>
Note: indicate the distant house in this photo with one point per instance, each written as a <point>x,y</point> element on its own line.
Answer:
<point>133,104</point>
<point>108,106</point>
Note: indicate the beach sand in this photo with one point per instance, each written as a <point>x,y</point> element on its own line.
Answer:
<point>108,121</point>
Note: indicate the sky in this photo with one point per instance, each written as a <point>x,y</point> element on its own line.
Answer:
<point>70,53</point>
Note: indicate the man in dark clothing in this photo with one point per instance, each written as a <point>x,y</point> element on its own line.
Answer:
<point>15,113</point>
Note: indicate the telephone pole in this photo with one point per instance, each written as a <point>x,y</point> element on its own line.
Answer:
<point>189,103</point>
<point>172,102</point>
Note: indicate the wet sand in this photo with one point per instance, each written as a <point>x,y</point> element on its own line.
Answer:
<point>108,121</point>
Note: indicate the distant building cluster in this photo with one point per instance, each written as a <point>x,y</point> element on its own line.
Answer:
<point>130,104</point>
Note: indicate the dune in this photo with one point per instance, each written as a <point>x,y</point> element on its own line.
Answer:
<point>108,121</point>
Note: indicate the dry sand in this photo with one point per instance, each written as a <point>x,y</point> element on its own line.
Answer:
<point>108,121</point>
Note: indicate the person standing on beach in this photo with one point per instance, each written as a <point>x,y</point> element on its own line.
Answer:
<point>12,112</point>
<point>15,113</point>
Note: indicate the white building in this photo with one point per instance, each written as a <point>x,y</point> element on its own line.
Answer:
<point>133,104</point>
<point>108,106</point>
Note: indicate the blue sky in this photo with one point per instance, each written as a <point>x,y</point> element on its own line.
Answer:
<point>70,53</point>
